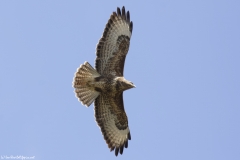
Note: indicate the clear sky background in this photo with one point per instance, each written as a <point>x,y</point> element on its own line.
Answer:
<point>184,59</point>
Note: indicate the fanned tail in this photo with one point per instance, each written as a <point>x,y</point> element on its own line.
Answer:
<point>85,74</point>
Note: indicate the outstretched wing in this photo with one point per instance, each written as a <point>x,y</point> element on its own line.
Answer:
<point>112,48</point>
<point>112,119</point>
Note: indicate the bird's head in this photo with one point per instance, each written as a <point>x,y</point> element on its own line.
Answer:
<point>125,84</point>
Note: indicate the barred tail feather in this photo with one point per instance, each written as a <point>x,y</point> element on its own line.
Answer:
<point>86,96</point>
<point>85,74</point>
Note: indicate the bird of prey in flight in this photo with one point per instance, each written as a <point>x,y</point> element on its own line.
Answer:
<point>104,84</point>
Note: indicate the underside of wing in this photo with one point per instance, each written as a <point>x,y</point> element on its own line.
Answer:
<point>112,48</point>
<point>113,122</point>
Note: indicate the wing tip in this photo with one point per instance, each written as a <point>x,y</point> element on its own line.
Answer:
<point>129,136</point>
<point>131,26</point>
<point>123,14</point>
<point>116,151</point>
<point>120,148</point>
<point>118,11</point>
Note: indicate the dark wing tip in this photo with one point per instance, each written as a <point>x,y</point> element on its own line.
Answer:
<point>131,26</point>
<point>126,144</point>
<point>121,149</point>
<point>114,14</point>
<point>123,13</point>
<point>112,148</point>
<point>119,11</point>
<point>129,136</point>
<point>125,16</point>
<point>116,151</point>
<point>128,17</point>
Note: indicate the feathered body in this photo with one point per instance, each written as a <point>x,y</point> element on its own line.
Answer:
<point>105,85</point>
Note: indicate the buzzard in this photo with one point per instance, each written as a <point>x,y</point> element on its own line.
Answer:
<point>105,84</point>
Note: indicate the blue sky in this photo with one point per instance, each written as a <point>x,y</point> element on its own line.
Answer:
<point>184,59</point>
